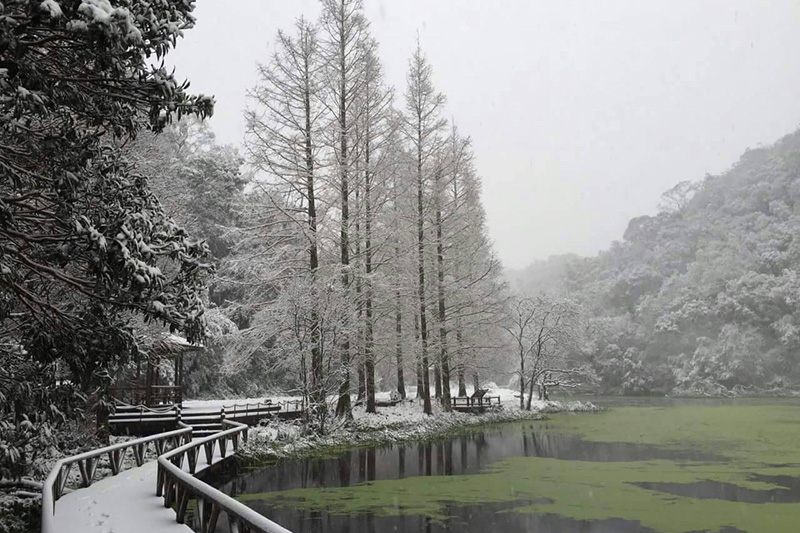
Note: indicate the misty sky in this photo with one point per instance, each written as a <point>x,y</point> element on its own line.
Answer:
<point>582,113</point>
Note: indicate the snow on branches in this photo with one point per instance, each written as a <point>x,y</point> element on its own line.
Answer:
<point>84,245</point>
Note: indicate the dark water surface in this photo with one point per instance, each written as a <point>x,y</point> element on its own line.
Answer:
<point>475,453</point>
<point>466,454</point>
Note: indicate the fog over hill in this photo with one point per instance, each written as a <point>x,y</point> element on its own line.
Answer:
<point>546,275</point>
<point>701,297</point>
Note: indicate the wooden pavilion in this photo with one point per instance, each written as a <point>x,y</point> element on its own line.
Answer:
<point>149,384</point>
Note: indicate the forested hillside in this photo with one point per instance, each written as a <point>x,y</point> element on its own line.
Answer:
<point>546,275</point>
<point>702,297</point>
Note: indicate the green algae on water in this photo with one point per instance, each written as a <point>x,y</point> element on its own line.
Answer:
<point>757,440</point>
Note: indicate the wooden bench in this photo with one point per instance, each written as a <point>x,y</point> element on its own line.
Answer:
<point>479,402</point>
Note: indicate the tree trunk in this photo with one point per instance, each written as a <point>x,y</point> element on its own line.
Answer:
<point>362,380</point>
<point>360,361</point>
<point>103,428</point>
<point>423,319</point>
<point>148,391</point>
<point>369,363</point>
<point>521,371</point>
<point>462,385</point>
<point>475,381</point>
<point>444,363</point>
<point>420,383</point>
<point>530,392</point>
<point>437,379</point>
<point>369,356</point>
<point>316,394</point>
<point>343,406</point>
<point>398,308</point>
<point>420,386</point>
<point>304,381</point>
<point>398,324</point>
<point>545,395</point>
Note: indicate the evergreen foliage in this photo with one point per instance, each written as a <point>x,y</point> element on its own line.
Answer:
<point>701,298</point>
<point>83,241</point>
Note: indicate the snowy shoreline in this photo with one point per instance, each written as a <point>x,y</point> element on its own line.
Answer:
<point>278,440</point>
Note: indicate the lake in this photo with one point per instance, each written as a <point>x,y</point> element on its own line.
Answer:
<point>644,465</point>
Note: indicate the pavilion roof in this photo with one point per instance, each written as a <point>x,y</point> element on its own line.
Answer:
<point>170,345</point>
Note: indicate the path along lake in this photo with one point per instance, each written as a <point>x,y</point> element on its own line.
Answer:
<point>643,465</point>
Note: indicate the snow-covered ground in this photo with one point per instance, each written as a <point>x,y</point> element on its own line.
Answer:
<point>405,421</point>
<point>508,397</point>
<point>212,405</point>
<point>125,503</point>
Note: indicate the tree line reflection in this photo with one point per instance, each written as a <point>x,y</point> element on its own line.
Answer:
<point>461,455</point>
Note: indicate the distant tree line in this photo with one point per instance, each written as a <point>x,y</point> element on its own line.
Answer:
<point>700,298</point>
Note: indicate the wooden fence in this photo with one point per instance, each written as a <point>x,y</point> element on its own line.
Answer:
<point>58,480</point>
<point>142,420</point>
<point>177,486</point>
<point>475,404</point>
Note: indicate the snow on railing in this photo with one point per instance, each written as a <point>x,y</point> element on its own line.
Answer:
<point>177,486</point>
<point>123,407</point>
<point>125,413</point>
<point>481,401</point>
<point>245,409</point>
<point>56,483</point>
<point>291,405</point>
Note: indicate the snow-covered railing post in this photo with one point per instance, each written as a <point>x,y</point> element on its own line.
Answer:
<point>56,483</point>
<point>178,486</point>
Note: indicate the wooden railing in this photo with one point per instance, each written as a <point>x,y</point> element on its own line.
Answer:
<point>291,405</point>
<point>142,420</point>
<point>247,409</point>
<point>484,401</point>
<point>56,483</point>
<point>158,394</point>
<point>142,411</point>
<point>286,406</point>
<point>178,486</point>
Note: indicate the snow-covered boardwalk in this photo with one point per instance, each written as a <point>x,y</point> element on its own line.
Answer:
<point>125,503</point>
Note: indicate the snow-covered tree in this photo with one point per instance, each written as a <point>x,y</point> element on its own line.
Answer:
<point>345,32</point>
<point>283,143</point>
<point>472,275</point>
<point>374,140</point>
<point>82,237</point>
<point>397,224</point>
<point>195,179</point>
<point>543,331</point>
<point>423,125</point>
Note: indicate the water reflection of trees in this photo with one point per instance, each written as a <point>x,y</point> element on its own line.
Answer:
<point>345,464</point>
<point>476,518</point>
<point>457,456</point>
<point>461,455</point>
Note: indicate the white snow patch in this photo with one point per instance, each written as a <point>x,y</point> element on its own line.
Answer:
<point>125,503</point>
<point>52,7</point>
<point>403,422</point>
<point>216,404</point>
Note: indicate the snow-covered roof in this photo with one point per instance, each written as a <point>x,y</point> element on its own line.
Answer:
<point>171,344</point>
